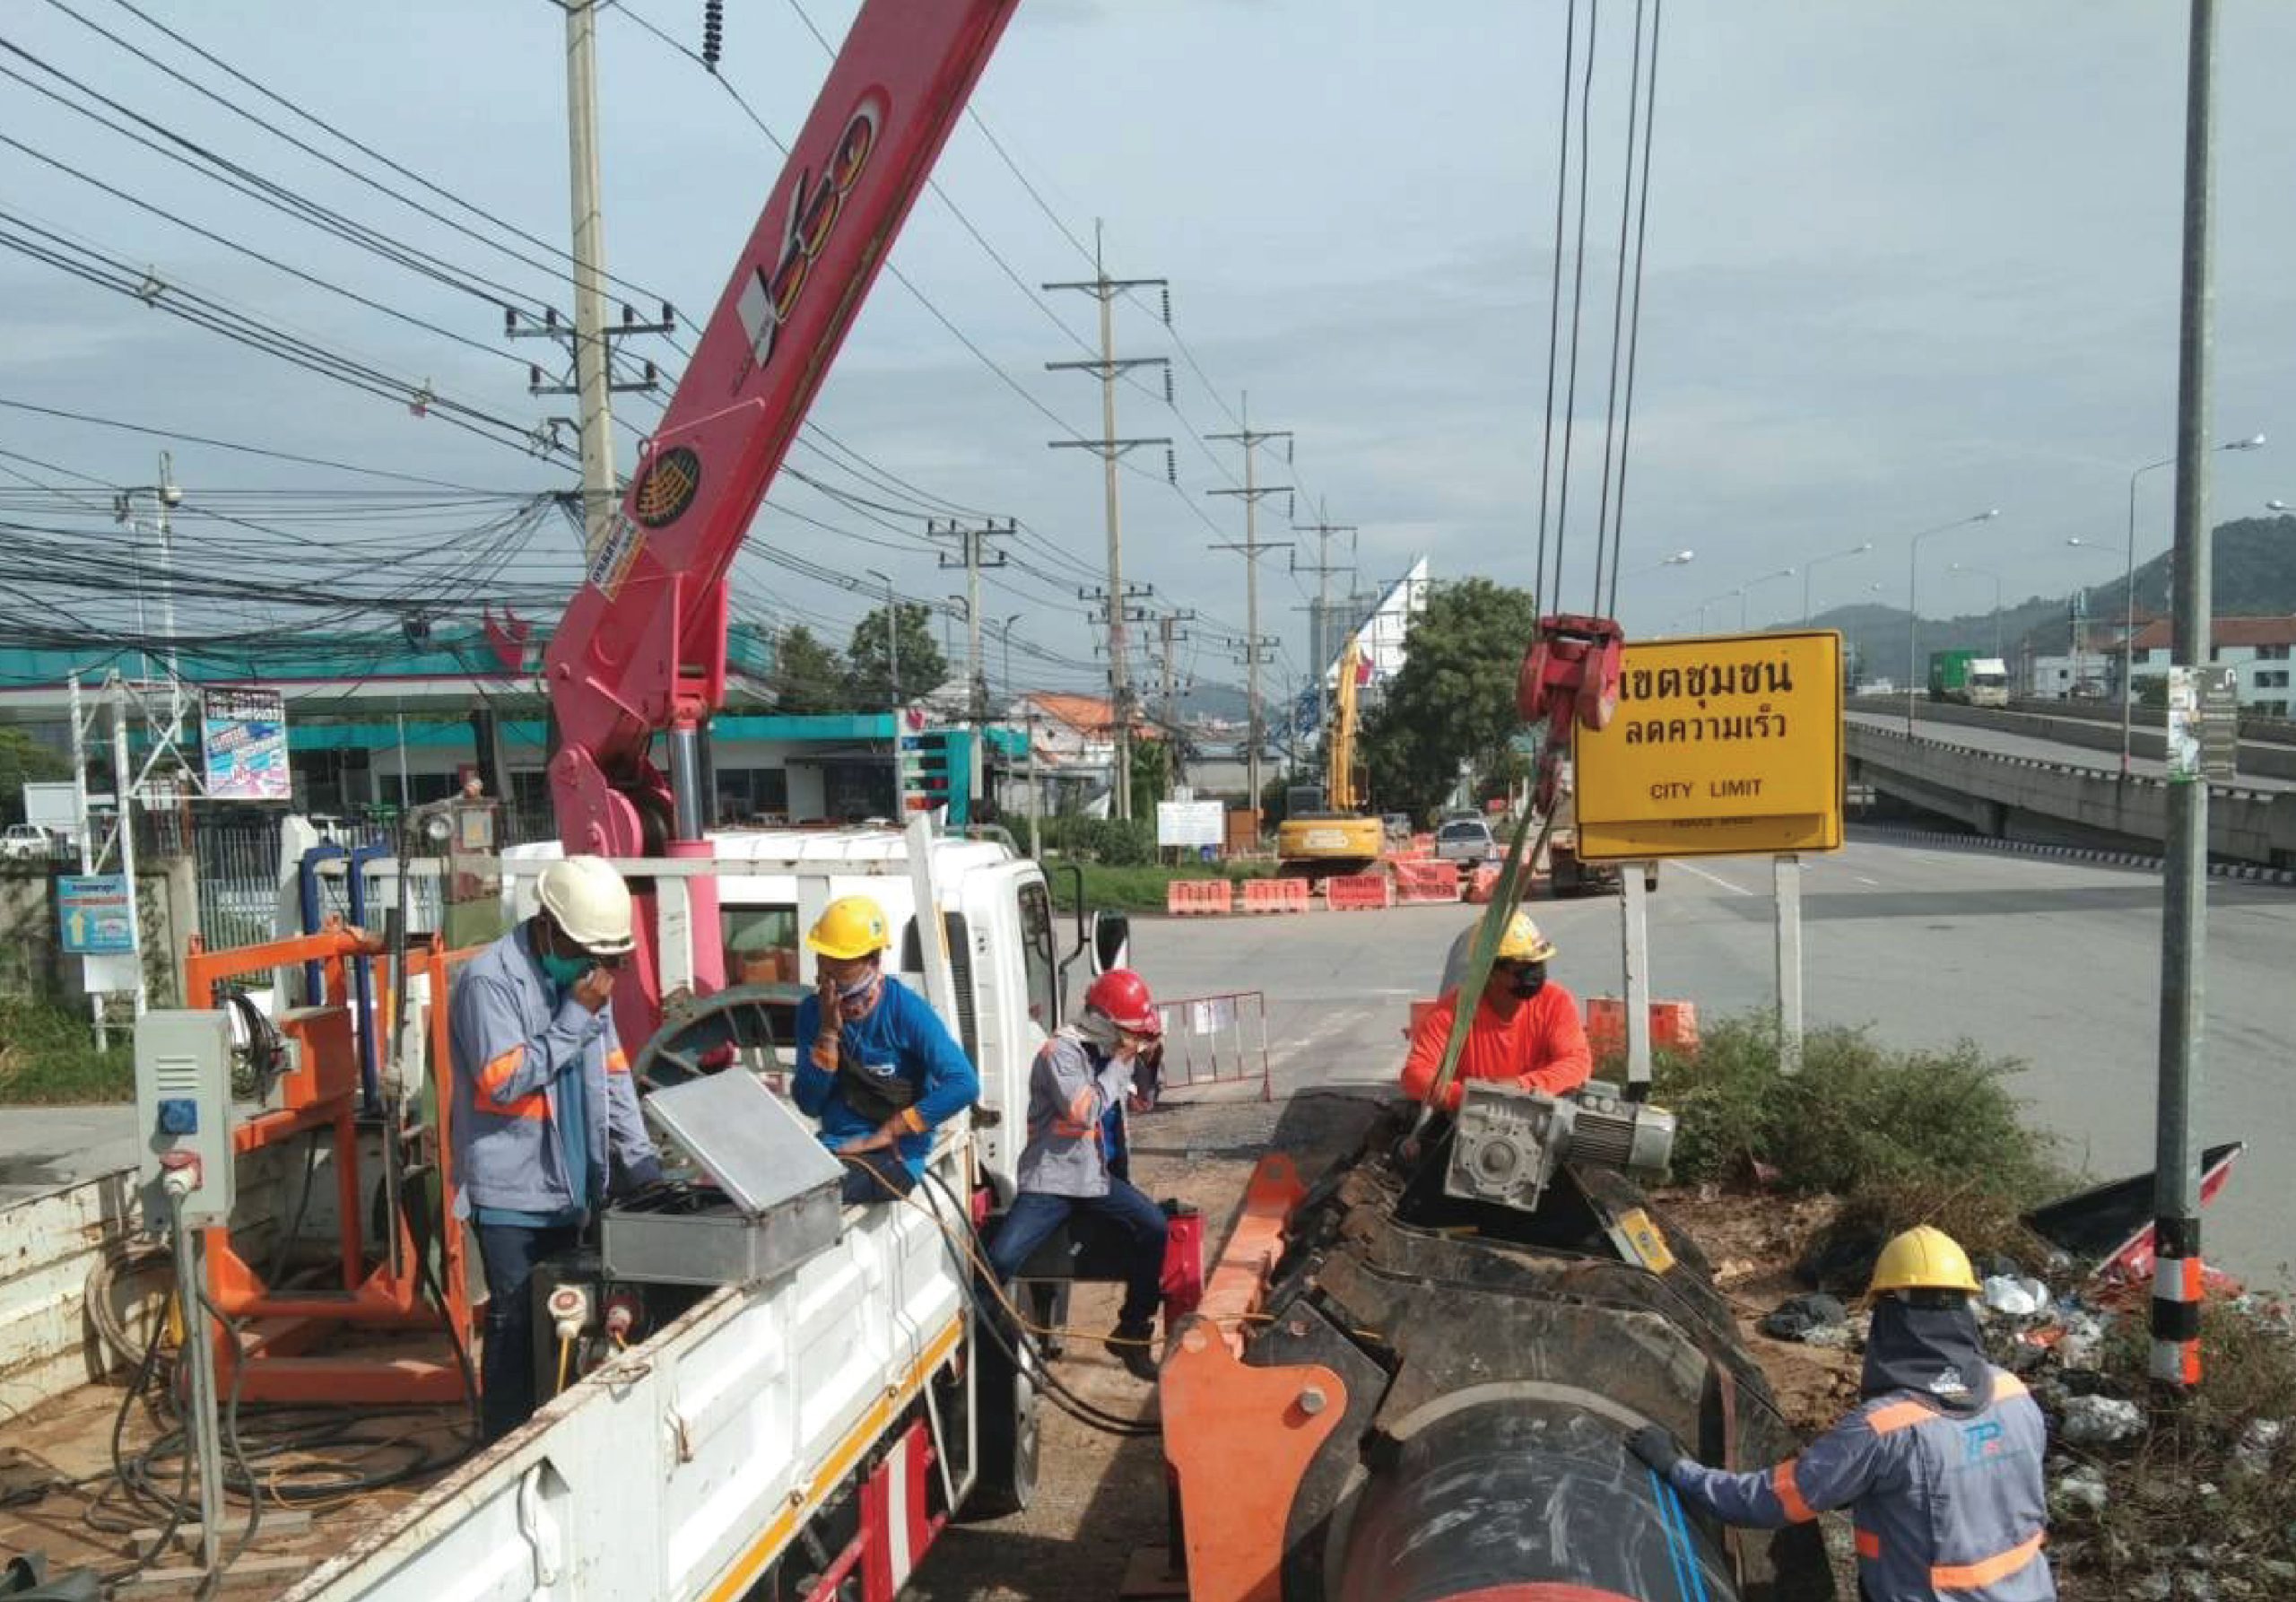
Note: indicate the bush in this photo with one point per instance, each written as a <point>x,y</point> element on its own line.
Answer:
<point>1859,1116</point>
<point>1137,889</point>
<point>1118,842</point>
<point>49,1056</point>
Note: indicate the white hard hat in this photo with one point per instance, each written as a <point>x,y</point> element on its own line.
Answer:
<point>588,902</point>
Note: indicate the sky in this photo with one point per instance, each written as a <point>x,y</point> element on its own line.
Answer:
<point>1905,263</point>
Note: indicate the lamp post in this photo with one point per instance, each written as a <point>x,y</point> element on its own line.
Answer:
<point>1742,591</point>
<point>1913,601</point>
<point>2080,615</point>
<point>1963,567</point>
<point>2129,585</point>
<point>1814,561</point>
<point>1006,630</point>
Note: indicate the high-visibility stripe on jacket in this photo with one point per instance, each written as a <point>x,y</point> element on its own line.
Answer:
<point>1542,1047</point>
<point>1947,1507</point>
<point>514,1039</point>
<point>1072,1085</point>
<point>900,1036</point>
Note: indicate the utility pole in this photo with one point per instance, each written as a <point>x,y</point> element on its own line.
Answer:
<point>591,339</point>
<point>1108,367</point>
<point>974,556</point>
<point>1251,439</point>
<point>1167,635</point>
<point>2184,889</point>
<point>1318,633</point>
<point>1113,611</point>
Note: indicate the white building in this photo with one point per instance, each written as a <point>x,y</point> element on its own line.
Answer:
<point>2257,648</point>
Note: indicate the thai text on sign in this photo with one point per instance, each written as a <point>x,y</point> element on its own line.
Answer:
<point>1717,745</point>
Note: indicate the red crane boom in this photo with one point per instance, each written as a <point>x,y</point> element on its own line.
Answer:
<point>641,649</point>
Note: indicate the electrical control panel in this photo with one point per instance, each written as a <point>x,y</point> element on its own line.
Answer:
<point>183,1108</point>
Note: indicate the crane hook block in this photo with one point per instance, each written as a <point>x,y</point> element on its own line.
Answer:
<point>1573,663</point>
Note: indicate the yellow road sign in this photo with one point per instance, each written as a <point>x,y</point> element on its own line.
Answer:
<point>1720,746</point>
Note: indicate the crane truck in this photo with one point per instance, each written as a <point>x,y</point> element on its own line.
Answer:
<point>1443,1341</point>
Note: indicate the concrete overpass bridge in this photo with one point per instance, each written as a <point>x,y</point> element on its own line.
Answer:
<point>2055,777</point>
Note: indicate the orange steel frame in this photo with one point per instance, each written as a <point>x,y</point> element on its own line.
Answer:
<point>1236,1438</point>
<point>278,1329</point>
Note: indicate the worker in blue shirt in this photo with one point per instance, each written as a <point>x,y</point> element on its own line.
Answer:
<point>889,1070</point>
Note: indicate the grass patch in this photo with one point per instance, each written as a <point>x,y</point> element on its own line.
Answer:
<point>48,1056</point>
<point>1904,1138</point>
<point>1137,889</point>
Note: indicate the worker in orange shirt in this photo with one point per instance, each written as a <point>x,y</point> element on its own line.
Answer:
<point>1526,1028</point>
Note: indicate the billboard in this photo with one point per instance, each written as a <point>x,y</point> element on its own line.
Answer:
<point>243,733</point>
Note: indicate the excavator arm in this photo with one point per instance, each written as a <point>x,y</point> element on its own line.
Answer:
<point>641,649</point>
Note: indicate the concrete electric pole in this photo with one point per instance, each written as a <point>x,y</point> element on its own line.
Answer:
<point>591,339</point>
<point>1108,367</point>
<point>1251,439</point>
<point>973,555</point>
<point>2184,889</point>
<point>1319,614</point>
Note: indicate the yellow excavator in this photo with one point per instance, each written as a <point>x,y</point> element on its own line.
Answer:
<point>1324,830</point>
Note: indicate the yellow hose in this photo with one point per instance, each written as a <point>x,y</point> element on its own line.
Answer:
<point>565,1360</point>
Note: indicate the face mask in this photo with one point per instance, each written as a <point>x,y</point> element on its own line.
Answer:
<point>564,971</point>
<point>1529,980</point>
<point>855,998</point>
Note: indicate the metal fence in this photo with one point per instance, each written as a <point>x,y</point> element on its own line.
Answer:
<point>1216,1040</point>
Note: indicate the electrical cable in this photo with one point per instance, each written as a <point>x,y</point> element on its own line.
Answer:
<point>1618,311</point>
<point>1634,319</point>
<point>1577,297</point>
<point>1542,593</point>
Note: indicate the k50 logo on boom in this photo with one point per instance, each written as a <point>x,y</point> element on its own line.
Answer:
<point>772,293</point>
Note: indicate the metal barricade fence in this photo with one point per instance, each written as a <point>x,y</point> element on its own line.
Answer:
<point>1217,1039</point>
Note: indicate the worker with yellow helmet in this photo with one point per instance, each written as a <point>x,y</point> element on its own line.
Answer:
<point>1939,1464</point>
<point>1526,1027</point>
<point>876,1065</point>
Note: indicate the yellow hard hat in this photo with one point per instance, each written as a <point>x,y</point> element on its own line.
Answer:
<point>1923,1260</point>
<point>852,926</point>
<point>1522,943</point>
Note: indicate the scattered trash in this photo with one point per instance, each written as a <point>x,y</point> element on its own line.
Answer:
<point>2252,1453</point>
<point>2099,1421</point>
<point>2082,1488</point>
<point>2083,1341</point>
<point>1797,1317</point>
<point>2018,1298</point>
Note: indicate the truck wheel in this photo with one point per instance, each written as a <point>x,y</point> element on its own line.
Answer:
<point>1010,1422</point>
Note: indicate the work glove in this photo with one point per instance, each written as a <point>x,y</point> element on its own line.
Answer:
<point>1656,1447</point>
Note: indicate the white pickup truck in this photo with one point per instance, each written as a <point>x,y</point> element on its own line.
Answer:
<point>826,1421</point>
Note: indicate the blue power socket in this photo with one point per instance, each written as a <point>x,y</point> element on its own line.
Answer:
<point>178,1115</point>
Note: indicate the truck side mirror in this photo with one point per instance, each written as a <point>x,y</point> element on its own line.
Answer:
<point>1112,941</point>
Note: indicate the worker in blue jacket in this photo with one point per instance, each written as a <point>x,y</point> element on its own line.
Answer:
<point>1939,1464</point>
<point>545,1115</point>
<point>887,1070</point>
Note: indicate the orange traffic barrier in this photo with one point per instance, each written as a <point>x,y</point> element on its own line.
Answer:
<point>1199,897</point>
<point>1482,883</point>
<point>1674,1026</point>
<point>1418,882</point>
<point>1359,892</point>
<point>1276,895</point>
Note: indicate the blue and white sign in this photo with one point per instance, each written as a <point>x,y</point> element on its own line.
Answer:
<point>97,914</point>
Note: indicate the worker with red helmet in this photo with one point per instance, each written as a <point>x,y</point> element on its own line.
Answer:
<point>1526,1027</point>
<point>1082,1071</point>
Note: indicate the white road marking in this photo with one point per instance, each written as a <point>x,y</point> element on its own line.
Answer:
<point>1862,879</point>
<point>1689,867</point>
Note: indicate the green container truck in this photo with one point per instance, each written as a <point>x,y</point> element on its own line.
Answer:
<point>1969,678</point>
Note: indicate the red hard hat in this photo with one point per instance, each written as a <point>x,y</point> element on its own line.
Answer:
<point>1123,996</point>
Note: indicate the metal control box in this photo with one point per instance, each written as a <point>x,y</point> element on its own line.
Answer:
<point>768,1199</point>
<point>183,1109</point>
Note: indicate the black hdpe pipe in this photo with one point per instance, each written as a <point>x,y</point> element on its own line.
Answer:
<point>1523,1498</point>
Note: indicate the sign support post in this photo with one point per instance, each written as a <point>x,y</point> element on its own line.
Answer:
<point>1634,909</point>
<point>1788,880</point>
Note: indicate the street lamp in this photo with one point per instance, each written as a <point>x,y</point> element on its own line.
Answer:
<point>166,495</point>
<point>2128,582</point>
<point>1913,601</point>
<point>1749,584</point>
<point>1963,567</point>
<point>2281,507</point>
<point>2081,611</point>
<point>1834,556</point>
<point>1007,632</point>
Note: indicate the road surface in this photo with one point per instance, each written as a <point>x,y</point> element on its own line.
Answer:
<point>2007,742</point>
<point>2052,963</point>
